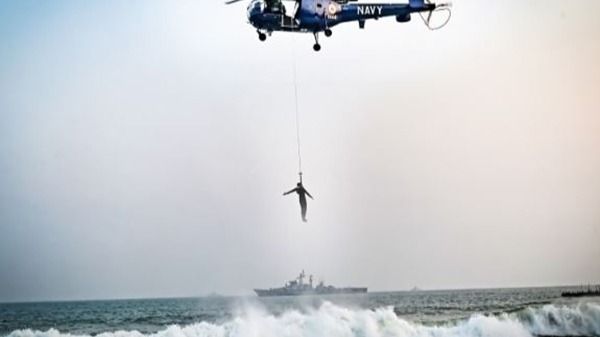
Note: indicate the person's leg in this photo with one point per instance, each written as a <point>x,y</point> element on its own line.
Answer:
<point>303,207</point>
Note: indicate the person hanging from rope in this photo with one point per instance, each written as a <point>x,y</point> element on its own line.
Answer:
<point>302,193</point>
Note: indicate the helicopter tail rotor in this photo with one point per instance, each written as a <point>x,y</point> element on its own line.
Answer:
<point>437,7</point>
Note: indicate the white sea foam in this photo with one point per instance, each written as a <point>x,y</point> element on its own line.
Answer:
<point>330,320</point>
<point>580,320</point>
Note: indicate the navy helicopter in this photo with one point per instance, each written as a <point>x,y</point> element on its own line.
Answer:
<point>315,16</point>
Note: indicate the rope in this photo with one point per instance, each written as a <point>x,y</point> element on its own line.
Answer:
<point>296,110</point>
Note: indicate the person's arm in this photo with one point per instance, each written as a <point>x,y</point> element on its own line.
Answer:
<point>308,194</point>
<point>288,192</point>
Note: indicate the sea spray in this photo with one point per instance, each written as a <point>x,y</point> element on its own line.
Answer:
<point>582,319</point>
<point>330,320</point>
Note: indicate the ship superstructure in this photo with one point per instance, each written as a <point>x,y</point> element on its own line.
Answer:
<point>297,287</point>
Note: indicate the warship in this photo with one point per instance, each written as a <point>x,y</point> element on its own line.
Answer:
<point>298,287</point>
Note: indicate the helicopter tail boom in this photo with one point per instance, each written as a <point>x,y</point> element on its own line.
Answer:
<point>416,3</point>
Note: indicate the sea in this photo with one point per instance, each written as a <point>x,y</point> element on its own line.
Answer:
<point>449,313</point>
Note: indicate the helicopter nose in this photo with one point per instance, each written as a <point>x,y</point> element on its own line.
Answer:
<point>253,14</point>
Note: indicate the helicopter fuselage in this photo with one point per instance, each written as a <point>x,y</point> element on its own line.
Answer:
<point>314,16</point>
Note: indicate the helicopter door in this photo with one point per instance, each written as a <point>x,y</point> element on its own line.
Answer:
<point>289,21</point>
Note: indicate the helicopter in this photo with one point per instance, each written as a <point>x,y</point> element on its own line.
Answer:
<point>316,16</point>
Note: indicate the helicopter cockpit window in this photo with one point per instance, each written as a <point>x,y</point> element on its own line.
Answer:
<point>256,5</point>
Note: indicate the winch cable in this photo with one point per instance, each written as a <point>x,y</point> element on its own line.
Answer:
<point>296,109</point>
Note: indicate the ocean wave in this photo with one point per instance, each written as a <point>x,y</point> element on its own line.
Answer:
<point>330,320</point>
<point>582,319</point>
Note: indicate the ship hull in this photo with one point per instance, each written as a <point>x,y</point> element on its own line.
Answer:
<point>307,292</point>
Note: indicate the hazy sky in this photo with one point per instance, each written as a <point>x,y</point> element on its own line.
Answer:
<point>144,147</point>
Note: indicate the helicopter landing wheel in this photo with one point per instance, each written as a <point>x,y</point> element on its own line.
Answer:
<point>316,46</point>
<point>262,36</point>
<point>328,32</point>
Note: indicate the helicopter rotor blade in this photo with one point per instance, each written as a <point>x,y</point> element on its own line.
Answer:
<point>232,2</point>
